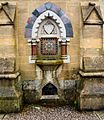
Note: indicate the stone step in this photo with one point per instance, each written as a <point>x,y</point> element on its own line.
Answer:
<point>48,97</point>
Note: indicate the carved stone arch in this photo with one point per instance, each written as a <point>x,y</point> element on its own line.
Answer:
<point>44,9</point>
<point>49,89</point>
<point>48,47</point>
<point>49,28</point>
<point>53,16</point>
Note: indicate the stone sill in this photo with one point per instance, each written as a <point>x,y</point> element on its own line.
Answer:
<point>48,97</point>
<point>91,74</point>
<point>14,75</point>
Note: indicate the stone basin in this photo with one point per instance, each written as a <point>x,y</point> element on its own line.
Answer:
<point>49,62</point>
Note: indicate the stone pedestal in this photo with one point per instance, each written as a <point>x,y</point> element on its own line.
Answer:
<point>10,93</point>
<point>92,94</point>
<point>10,87</point>
<point>49,68</point>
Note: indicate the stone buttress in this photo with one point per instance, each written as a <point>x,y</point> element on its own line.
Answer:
<point>10,93</point>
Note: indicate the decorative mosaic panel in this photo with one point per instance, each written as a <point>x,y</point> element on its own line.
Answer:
<point>48,46</point>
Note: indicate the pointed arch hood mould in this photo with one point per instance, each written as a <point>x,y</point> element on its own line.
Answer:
<point>44,9</point>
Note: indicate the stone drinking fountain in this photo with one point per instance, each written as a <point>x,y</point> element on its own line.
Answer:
<point>48,30</point>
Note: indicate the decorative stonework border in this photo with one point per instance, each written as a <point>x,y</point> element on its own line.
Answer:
<point>55,17</point>
<point>44,9</point>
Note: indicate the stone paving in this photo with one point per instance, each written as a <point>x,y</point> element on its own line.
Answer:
<point>33,112</point>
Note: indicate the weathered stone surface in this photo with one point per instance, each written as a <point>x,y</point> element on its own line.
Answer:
<point>31,96</point>
<point>1,116</point>
<point>10,94</point>
<point>7,106</point>
<point>93,63</point>
<point>10,100</point>
<point>7,65</point>
<point>31,91</point>
<point>95,29</point>
<point>92,95</point>
<point>71,88</point>
<point>31,84</point>
<point>92,103</point>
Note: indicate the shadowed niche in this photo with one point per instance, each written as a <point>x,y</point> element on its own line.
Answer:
<point>49,89</point>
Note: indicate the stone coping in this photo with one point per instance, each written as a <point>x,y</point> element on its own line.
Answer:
<point>91,74</point>
<point>14,75</point>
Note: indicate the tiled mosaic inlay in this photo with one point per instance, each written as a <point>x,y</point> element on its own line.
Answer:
<point>49,46</point>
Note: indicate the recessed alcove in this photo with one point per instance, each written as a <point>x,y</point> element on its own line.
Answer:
<point>49,89</point>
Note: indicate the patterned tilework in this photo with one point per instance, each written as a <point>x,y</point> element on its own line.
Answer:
<point>49,46</point>
<point>55,9</point>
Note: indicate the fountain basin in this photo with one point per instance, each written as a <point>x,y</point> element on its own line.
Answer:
<point>49,62</point>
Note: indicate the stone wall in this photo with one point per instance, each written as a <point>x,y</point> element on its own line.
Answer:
<point>25,9</point>
<point>85,48</point>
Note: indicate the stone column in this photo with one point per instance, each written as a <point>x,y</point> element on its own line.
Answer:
<point>34,49</point>
<point>63,50</point>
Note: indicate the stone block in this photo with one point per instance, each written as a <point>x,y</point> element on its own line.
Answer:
<point>7,51</point>
<point>90,51</point>
<point>96,29</point>
<point>55,9</point>
<point>36,13</point>
<point>7,65</point>
<point>10,93</point>
<point>6,31</point>
<point>31,91</point>
<point>29,85</point>
<point>92,103</point>
<point>28,32</point>
<point>48,5</point>
<point>92,95</point>
<point>93,63</point>
<point>10,100</point>
<point>41,9</point>
<point>31,96</point>
<point>70,89</point>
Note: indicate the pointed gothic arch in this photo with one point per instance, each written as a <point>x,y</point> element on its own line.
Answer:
<point>49,89</point>
<point>51,46</point>
<point>44,10</point>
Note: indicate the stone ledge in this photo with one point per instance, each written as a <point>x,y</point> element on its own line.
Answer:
<point>14,75</point>
<point>48,97</point>
<point>91,74</point>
